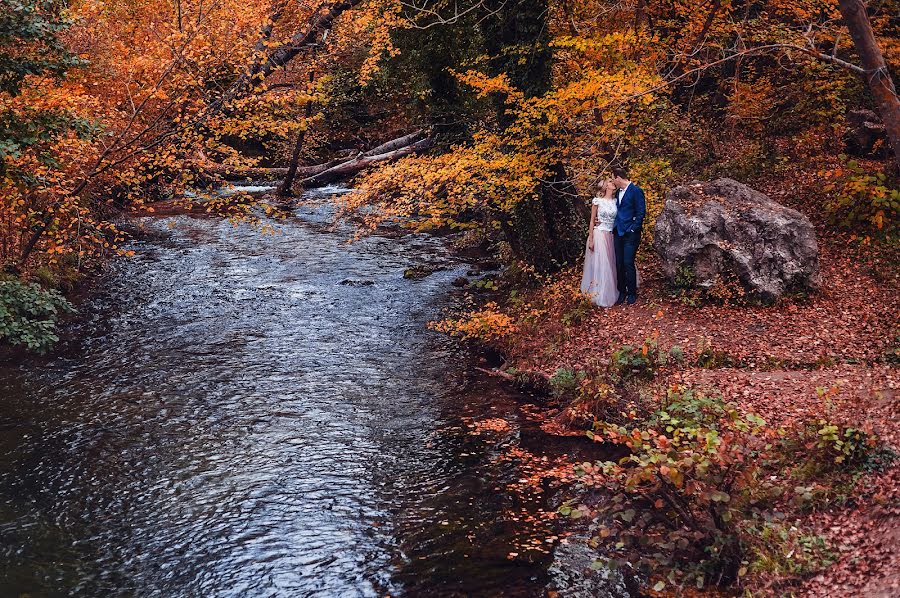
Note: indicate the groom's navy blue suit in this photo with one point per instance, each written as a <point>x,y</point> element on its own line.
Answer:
<point>627,235</point>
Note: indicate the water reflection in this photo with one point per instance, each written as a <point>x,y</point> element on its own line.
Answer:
<point>246,415</point>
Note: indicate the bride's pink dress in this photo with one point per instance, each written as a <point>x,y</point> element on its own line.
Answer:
<point>599,279</point>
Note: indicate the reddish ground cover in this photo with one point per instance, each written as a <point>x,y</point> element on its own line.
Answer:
<point>852,318</point>
<point>832,354</point>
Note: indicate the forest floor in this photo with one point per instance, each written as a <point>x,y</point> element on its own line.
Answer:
<point>832,354</point>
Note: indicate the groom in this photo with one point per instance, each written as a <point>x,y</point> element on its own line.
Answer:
<point>627,233</point>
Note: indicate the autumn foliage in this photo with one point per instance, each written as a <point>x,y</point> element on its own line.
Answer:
<point>108,107</point>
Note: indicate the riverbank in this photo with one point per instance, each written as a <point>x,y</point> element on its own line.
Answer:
<point>817,370</point>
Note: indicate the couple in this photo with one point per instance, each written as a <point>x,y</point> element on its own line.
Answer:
<point>610,277</point>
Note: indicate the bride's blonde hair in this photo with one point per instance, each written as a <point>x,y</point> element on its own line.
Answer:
<point>603,185</point>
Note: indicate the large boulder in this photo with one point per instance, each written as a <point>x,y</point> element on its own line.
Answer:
<point>712,232</point>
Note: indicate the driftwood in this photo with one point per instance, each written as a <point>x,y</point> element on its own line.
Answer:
<point>315,175</point>
<point>349,168</point>
<point>395,144</point>
<point>497,374</point>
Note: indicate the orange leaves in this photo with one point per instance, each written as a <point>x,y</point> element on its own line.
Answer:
<point>434,191</point>
<point>487,324</point>
<point>485,85</point>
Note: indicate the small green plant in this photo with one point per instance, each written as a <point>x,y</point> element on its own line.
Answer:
<point>835,445</point>
<point>578,312</point>
<point>565,382</point>
<point>638,363</point>
<point>684,276</point>
<point>783,549</point>
<point>684,287</point>
<point>29,314</point>
<point>487,284</point>
<point>711,358</point>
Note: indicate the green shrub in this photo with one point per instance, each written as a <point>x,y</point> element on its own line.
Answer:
<point>696,499</point>
<point>29,313</point>
<point>565,382</point>
<point>840,444</point>
<point>856,195</point>
<point>638,363</point>
<point>680,494</point>
<point>711,358</point>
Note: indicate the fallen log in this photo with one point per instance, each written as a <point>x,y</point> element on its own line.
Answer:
<point>360,163</point>
<point>304,172</point>
<point>259,173</point>
<point>267,174</point>
<point>395,144</point>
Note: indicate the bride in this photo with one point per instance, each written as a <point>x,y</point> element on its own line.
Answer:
<point>599,279</point>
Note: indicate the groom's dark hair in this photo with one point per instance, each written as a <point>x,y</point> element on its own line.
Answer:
<point>620,171</point>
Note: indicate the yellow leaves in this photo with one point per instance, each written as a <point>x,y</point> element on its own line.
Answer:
<point>485,324</point>
<point>486,85</point>
<point>435,191</point>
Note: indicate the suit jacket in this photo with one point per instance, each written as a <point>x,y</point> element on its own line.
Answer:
<point>632,209</point>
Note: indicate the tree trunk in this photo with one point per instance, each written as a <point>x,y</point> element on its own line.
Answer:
<point>877,75</point>
<point>553,232</point>
<point>285,189</point>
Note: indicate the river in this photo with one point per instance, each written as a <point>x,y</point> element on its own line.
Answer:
<point>244,414</point>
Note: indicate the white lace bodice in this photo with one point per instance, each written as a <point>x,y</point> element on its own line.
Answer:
<point>606,213</point>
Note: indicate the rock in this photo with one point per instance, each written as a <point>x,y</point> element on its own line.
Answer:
<point>710,232</point>
<point>864,132</point>
<point>357,283</point>
<point>421,271</point>
<point>460,281</point>
<point>578,571</point>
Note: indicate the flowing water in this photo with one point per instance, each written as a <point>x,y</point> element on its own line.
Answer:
<point>246,414</point>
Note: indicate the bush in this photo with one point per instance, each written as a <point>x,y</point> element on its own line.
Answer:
<point>676,496</point>
<point>641,363</point>
<point>29,313</point>
<point>579,311</point>
<point>856,195</point>
<point>565,382</point>
<point>779,548</point>
<point>696,498</point>
<point>839,444</point>
<point>829,449</point>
